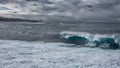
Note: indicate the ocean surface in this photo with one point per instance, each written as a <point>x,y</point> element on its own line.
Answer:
<point>24,30</point>
<point>59,45</point>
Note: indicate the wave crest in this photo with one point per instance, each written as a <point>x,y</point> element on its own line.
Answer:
<point>91,40</point>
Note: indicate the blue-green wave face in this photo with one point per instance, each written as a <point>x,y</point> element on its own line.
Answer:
<point>103,41</point>
<point>77,40</point>
<point>108,41</point>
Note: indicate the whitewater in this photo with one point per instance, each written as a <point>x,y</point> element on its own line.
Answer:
<point>59,45</point>
<point>22,54</point>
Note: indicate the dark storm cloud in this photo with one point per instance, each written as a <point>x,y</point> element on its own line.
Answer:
<point>77,8</point>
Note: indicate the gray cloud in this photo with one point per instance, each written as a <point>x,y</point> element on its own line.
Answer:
<point>81,9</point>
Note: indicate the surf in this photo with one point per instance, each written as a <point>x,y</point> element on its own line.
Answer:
<point>109,41</point>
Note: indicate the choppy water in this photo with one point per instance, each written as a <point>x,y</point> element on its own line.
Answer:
<point>22,54</point>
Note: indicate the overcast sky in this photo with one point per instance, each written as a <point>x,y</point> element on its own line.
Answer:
<point>82,9</point>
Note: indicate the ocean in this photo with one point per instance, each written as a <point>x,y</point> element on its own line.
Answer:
<point>59,45</point>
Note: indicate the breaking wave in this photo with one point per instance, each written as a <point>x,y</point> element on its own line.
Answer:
<point>91,40</point>
<point>110,41</point>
